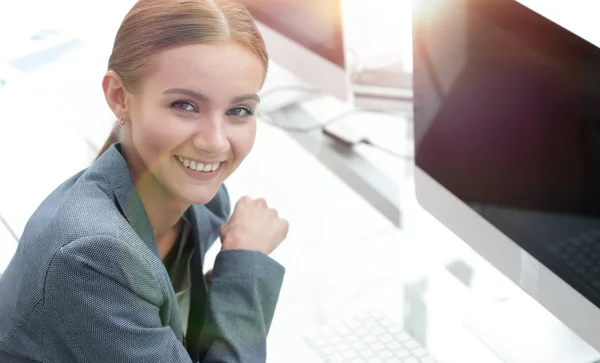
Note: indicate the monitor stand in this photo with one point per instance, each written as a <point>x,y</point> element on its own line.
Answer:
<point>519,330</point>
<point>385,82</point>
<point>374,119</point>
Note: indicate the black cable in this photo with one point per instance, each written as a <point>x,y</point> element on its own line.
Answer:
<point>322,125</point>
<point>388,151</point>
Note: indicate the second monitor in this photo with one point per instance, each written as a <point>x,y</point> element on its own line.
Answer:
<point>306,38</point>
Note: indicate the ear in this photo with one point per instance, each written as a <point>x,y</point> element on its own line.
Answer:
<point>115,94</point>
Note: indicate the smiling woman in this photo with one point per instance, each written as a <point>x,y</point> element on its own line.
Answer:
<point>109,268</point>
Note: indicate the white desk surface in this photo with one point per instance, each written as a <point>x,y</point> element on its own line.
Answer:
<point>8,247</point>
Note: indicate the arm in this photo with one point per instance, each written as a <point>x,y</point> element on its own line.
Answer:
<point>242,298</point>
<point>102,304</point>
<point>243,294</point>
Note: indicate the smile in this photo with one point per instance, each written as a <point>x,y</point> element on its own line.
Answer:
<point>197,166</point>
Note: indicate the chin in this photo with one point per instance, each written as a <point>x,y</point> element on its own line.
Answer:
<point>199,195</point>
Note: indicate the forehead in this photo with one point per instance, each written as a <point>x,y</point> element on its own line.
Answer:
<point>228,69</point>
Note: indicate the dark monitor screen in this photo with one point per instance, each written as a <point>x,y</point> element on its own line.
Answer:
<point>314,24</point>
<point>507,118</point>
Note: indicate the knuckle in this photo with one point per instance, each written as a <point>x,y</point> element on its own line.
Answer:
<point>285,225</point>
<point>261,202</point>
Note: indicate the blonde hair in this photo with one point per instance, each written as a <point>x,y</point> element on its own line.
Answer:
<point>152,26</point>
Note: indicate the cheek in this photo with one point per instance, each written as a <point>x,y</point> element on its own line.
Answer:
<point>152,135</point>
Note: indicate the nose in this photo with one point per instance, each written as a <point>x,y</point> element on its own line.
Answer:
<point>211,136</point>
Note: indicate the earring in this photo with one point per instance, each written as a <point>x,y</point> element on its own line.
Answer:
<point>121,122</point>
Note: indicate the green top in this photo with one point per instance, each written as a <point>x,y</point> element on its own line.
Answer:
<point>177,263</point>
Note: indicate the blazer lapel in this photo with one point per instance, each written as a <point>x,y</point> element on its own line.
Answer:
<point>127,197</point>
<point>133,210</point>
<point>113,165</point>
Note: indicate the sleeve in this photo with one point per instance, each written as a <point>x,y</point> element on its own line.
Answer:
<point>243,294</point>
<point>102,304</point>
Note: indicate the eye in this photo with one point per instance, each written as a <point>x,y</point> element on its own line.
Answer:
<point>184,106</point>
<point>240,111</point>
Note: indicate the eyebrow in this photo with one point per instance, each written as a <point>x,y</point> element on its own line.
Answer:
<point>204,98</point>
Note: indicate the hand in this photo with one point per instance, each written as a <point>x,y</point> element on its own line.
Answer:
<point>253,226</point>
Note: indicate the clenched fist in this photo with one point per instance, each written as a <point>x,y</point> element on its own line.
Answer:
<point>253,226</point>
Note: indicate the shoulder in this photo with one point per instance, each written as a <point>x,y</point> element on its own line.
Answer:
<point>78,208</point>
<point>109,258</point>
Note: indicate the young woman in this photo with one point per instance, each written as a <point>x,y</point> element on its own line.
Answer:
<point>110,266</point>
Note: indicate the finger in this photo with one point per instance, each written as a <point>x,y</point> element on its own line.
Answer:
<point>261,202</point>
<point>285,227</point>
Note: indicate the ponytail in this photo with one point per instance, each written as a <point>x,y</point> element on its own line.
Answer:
<point>112,138</point>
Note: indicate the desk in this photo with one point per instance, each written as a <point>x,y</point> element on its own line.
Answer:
<point>342,255</point>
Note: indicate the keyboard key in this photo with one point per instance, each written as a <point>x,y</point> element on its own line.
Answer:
<point>353,324</point>
<point>366,354</point>
<point>371,323</point>
<point>360,346</point>
<point>377,346</point>
<point>394,345</point>
<point>318,342</point>
<point>399,333</point>
<point>327,332</point>
<point>367,338</point>
<point>386,338</point>
<point>386,323</point>
<point>386,354</point>
<point>343,346</point>
<point>370,339</point>
<point>342,330</point>
<point>411,344</point>
<point>378,330</point>
<point>352,339</point>
<point>349,355</point>
<point>419,352</point>
<point>362,332</point>
<point>402,353</point>
<point>334,339</point>
<point>335,359</point>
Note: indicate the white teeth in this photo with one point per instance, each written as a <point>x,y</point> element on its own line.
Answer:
<point>198,166</point>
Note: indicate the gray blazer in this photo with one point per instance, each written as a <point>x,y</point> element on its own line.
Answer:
<point>87,285</point>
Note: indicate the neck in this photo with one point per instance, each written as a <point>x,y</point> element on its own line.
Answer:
<point>164,211</point>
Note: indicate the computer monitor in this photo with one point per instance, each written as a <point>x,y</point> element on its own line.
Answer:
<point>306,38</point>
<point>507,146</point>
